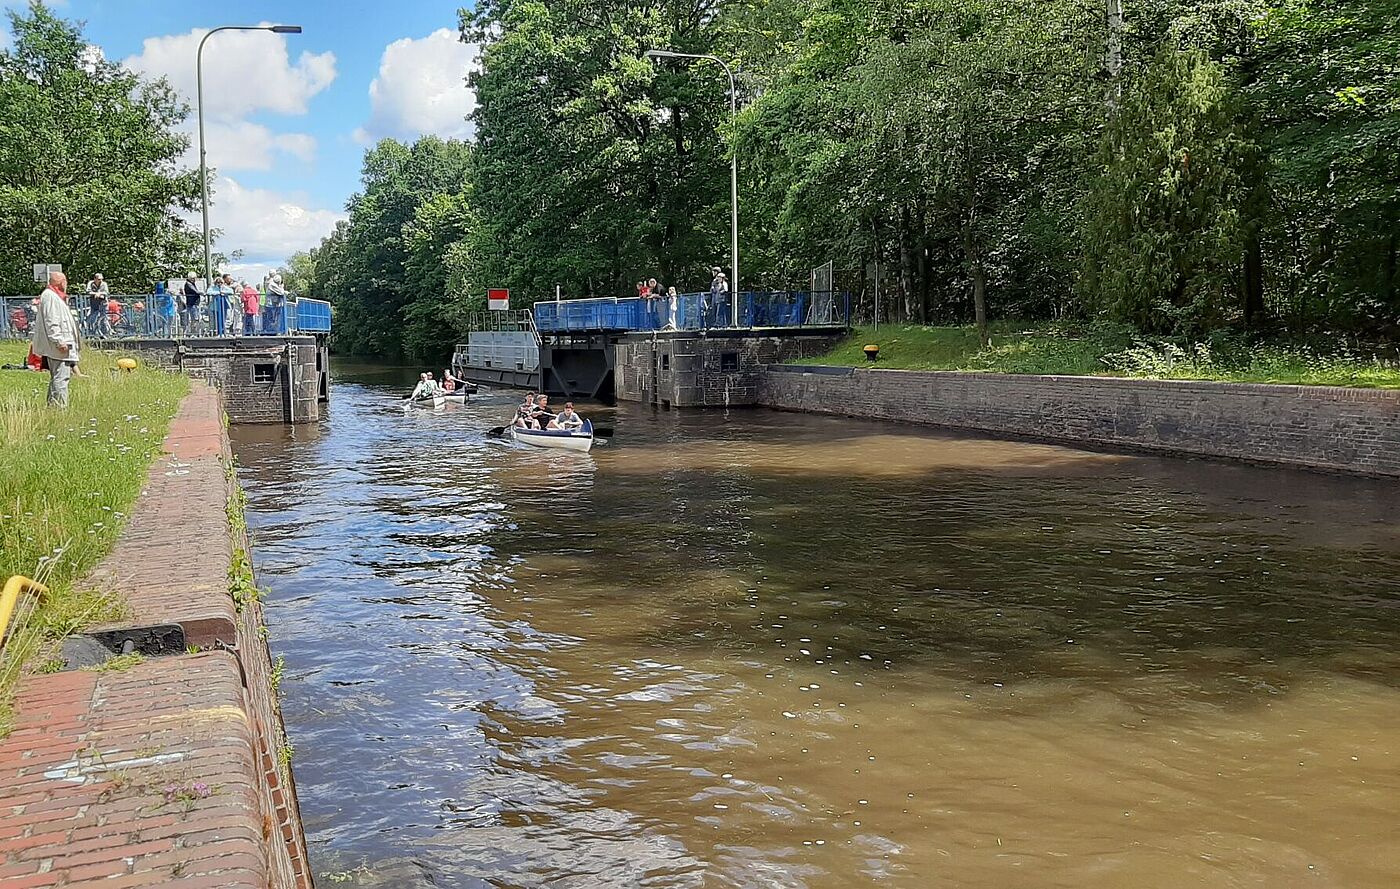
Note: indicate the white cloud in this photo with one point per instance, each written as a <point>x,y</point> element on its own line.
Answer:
<point>421,89</point>
<point>240,145</point>
<point>265,225</point>
<point>244,71</point>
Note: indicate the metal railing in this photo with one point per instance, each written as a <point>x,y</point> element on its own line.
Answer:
<point>163,316</point>
<point>694,311</point>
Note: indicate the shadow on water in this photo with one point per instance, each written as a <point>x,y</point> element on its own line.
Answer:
<point>761,649</point>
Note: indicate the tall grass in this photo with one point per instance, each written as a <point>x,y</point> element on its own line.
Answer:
<point>68,479</point>
<point>1114,350</point>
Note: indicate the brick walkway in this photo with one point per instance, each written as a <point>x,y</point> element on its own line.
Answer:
<point>165,773</point>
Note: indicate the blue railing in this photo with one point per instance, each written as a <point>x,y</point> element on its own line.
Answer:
<point>162,316</point>
<point>313,316</point>
<point>693,311</point>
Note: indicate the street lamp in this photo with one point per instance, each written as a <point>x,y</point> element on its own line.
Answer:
<point>733,172</point>
<point>199,88</point>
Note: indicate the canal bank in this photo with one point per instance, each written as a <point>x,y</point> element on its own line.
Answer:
<point>1314,427</point>
<point>172,769</point>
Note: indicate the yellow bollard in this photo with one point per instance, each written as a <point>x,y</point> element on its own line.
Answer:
<point>14,587</point>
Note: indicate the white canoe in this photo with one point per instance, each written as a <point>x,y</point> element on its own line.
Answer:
<point>432,404</point>
<point>561,439</point>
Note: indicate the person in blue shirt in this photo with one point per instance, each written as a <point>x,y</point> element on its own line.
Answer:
<point>164,302</point>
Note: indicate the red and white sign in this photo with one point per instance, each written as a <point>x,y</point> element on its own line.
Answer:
<point>498,298</point>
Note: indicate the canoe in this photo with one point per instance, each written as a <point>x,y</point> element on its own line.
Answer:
<point>455,397</point>
<point>432,404</point>
<point>561,439</point>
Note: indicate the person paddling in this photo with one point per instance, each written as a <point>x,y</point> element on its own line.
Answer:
<point>425,389</point>
<point>524,415</point>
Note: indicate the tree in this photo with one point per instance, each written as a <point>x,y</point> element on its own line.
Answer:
<point>88,162</point>
<point>371,263</point>
<point>594,167</point>
<point>1165,227</point>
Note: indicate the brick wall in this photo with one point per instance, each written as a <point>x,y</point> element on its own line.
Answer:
<point>263,379</point>
<point>1352,430</point>
<point>717,370</point>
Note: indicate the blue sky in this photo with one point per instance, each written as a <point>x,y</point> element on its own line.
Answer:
<point>288,117</point>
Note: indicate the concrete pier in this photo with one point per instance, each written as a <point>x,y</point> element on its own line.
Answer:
<point>264,379</point>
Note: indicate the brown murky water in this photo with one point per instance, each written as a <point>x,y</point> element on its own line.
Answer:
<point>769,650</point>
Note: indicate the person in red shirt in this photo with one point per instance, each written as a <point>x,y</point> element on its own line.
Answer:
<point>250,309</point>
<point>114,315</point>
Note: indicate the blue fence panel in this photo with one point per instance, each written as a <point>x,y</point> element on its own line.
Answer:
<point>693,311</point>
<point>313,316</point>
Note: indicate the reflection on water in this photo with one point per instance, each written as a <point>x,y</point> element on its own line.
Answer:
<point>773,650</point>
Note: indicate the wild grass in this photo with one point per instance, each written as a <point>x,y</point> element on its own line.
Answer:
<point>1113,350</point>
<point>67,481</point>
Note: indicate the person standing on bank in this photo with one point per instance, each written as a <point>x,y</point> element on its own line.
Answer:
<point>56,339</point>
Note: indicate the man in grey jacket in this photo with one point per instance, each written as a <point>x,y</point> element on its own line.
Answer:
<point>56,338</point>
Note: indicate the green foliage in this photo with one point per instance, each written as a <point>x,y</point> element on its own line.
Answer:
<point>1106,349</point>
<point>67,480</point>
<point>595,167</point>
<point>1166,226</point>
<point>379,268</point>
<point>88,154</point>
<point>1239,172</point>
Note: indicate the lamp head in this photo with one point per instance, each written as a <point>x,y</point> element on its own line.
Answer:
<point>662,54</point>
<point>285,29</point>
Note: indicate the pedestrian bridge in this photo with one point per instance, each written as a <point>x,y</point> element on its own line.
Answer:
<point>692,311</point>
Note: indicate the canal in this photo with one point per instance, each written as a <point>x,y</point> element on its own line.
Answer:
<point>774,650</point>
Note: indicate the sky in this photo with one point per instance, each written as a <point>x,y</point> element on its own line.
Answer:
<point>288,117</point>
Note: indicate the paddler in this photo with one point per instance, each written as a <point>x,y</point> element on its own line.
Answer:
<point>425,389</point>
<point>524,415</point>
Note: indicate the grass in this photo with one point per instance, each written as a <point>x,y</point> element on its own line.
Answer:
<point>1113,350</point>
<point>67,480</point>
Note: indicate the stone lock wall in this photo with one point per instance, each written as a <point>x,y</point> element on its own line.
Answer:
<point>1319,427</point>
<point>716,370</point>
<point>263,379</point>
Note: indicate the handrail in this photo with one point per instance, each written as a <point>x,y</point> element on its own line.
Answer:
<point>10,596</point>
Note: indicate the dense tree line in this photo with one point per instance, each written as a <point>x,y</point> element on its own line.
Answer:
<point>89,174</point>
<point>1180,166</point>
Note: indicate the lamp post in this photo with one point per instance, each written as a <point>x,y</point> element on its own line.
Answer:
<point>199,89</point>
<point>733,173</point>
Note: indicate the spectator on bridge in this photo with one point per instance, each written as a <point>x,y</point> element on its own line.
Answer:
<point>97,302</point>
<point>56,338</point>
<point>672,301</point>
<point>276,300</point>
<point>217,300</point>
<point>189,314</point>
<point>718,297</point>
<point>249,298</point>
<point>19,319</point>
<point>164,320</point>
<point>233,307</point>
<point>114,316</point>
